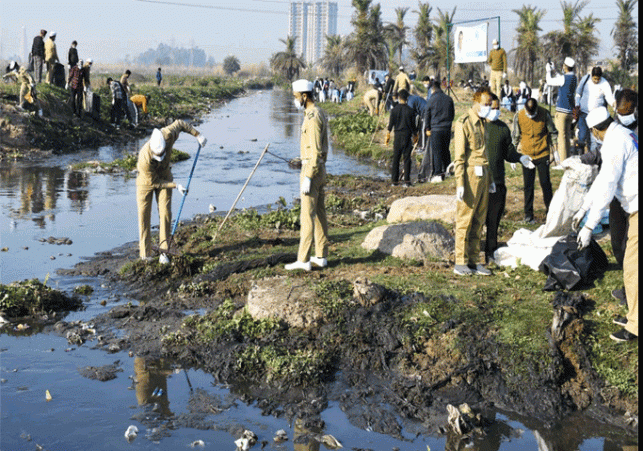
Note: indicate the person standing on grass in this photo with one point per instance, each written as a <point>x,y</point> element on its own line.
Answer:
<point>38,55</point>
<point>159,77</point>
<point>564,104</point>
<point>402,120</point>
<point>438,118</point>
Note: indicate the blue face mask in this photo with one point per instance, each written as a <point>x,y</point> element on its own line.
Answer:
<point>484,111</point>
<point>493,115</point>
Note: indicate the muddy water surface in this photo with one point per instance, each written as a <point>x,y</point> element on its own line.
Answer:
<point>42,199</point>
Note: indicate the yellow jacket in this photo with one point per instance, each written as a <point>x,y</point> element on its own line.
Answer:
<point>141,101</point>
<point>498,60</point>
<point>50,51</point>
<point>314,143</point>
<point>469,144</point>
<point>157,174</point>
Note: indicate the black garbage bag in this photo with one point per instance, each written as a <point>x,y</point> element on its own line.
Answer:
<point>568,268</point>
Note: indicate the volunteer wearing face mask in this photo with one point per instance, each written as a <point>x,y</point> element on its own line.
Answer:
<point>618,177</point>
<point>472,184</point>
<point>535,135</point>
<point>499,149</point>
<point>498,62</point>
<point>314,150</point>
<point>155,180</point>
<point>564,103</point>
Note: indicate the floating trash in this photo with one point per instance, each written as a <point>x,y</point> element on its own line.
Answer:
<point>48,396</point>
<point>197,443</point>
<point>131,433</point>
<point>280,436</point>
<point>330,442</point>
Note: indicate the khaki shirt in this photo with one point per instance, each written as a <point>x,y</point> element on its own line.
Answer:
<point>498,60</point>
<point>314,143</point>
<point>125,84</point>
<point>469,144</point>
<point>51,54</point>
<point>157,174</point>
<point>402,81</point>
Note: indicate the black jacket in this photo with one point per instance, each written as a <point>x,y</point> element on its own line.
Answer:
<point>73,56</point>
<point>38,47</point>
<point>440,112</point>
<point>402,119</point>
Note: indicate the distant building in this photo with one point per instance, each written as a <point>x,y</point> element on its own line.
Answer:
<point>310,23</point>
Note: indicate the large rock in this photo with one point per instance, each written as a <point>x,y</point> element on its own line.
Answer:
<point>431,207</point>
<point>284,298</point>
<point>411,240</point>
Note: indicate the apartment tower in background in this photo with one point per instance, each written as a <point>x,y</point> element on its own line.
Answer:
<point>310,23</point>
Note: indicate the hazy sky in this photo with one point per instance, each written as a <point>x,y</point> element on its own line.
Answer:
<point>249,29</point>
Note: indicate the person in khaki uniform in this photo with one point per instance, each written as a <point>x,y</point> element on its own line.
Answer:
<point>27,82</point>
<point>534,134</point>
<point>498,62</point>
<point>473,182</point>
<point>314,150</point>
<point>402,81</point>
<point>155,179</point>
<point>372,99</point>
<point>51,56</point>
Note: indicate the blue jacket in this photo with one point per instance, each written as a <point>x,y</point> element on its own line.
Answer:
<point>566,93</point>
<point>440,112</point>
<point>418,104</point>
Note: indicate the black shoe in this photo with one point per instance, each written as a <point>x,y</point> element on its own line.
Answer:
<point>408,184</point>
<point>529,220</point>
<point>619,295</point>
<point>393,184</point>
<point>620,321</point>
<point>623,335</point>
<point>421,179</point>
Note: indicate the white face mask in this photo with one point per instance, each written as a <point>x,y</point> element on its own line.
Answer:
<point>298,104</point>
<point>626,120</point>
<point>493,115</point>
<point>496,47</point>
<point>530,116</point>
<point>484,111</point>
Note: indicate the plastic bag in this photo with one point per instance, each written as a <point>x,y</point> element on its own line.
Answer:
<point>568,268</point>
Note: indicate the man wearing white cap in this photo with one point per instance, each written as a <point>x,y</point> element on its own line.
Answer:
<point>498,62</point>
<point>155,179</point>
<point>314,150</point>
<point>402,81</point>
<point>618,177</point>
<point>564,104</point>
<point>51,56</point>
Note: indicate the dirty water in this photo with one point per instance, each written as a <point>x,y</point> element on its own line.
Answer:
<point>42,199</point>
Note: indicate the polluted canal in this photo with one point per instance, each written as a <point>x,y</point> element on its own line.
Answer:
<point>64,395</point>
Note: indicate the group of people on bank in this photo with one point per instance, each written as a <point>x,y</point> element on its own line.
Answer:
<point>327,90</point>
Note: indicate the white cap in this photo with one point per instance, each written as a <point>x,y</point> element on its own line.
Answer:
<point>494,42</point>
<point>157,144</point>
<point>401,68</point>
<point>80,63</point>
<point>596,116</point>
<point>52,34</point>
<point>569,62</point>
<point>522,85</point>
<point>302,85</point>
<point>12,65</point>
<point>89,60</point>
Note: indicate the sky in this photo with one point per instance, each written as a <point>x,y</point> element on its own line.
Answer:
<point>110,31</point>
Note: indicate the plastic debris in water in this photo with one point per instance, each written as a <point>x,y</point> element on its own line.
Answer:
<point>48,396</point>
<point>20,327</point>
<point>131,433</point>
<point>199,443</point>
<point>242,444</point>
<point>330,442</point>
<point>280,436</point>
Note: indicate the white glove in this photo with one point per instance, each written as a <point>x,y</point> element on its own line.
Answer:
<point>492,187</point>
<point>459,193</point>
<point>66,86</point>
<point>577,218</point>
<point>513,166</point>
<point>182,189</point>
<point>504,75</point>
<point>584,237</point>
<point>305,185</point>
<point>548,68</point>
<point>525,160</point>
<point>556,157</point>
<point>202,140</point>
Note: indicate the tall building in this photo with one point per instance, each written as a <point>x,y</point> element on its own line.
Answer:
<point>310,23</point>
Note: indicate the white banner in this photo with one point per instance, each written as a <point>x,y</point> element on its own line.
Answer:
<point>471,44</point>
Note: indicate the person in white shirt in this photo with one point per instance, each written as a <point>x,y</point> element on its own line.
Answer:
<point>593,91</point>
<point>618,177</point>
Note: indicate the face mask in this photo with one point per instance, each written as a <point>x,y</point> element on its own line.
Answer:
<point>484,111</point>
<point>530,116</point>
<point>496,47</point>
<point>493,115</point>
<point>626,120</point>
<point>298,104</point>
<point>426,86</point>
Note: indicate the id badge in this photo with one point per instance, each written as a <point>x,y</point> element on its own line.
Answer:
<point>479,171</point>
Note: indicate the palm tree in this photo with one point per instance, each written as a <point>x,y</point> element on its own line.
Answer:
<point>287,61</point>
<point>366,44</point>
<point>625,34</point>
<point>396,33</point>
<point>587,43</point>
<point>528,48</point>
<point>333,60</point>
<point>423,32</point>
<point>441,28</point>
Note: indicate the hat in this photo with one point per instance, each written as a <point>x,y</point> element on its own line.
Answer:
<point>596,116</point>
<point>157,145</point>
<point>52,34</point>
<point>401,68</point>
<point>302,85</point>
<point>522,85</point>
<point>494,42</point>
<point>431,77</point>
<point>89,60</point>
<point>569,62</point>
<point>80,63</point>
<point>12,65</point>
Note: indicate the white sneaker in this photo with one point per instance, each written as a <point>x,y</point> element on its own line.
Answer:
<point>436,179</point>
<point>164,259</point>
<point>481,271</point>
<point>298,265</point>
<point>317,261</point>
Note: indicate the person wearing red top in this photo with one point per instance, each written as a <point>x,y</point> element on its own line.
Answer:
<point>75,83</point>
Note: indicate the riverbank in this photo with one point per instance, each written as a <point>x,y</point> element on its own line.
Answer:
<point>431,339</point>
<point>26,134</point>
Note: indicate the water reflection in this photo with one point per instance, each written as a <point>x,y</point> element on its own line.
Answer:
<point>281,112</point>
<point>77,192</point>
<point>305,435</point>
<point>151,384</point>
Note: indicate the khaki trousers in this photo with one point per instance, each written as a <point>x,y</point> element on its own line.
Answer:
<point>25,94</point>
<point>144,195</point>
<point>313,223</point>
<point>471,215</point>
<point>563,123</point>
<point>50,71</point>
<point>631,274</point>
<point>371,103</point>
<point>495,82</point>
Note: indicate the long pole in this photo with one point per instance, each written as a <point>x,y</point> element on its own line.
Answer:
<point>240,192</point>
<point>176,223</point>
